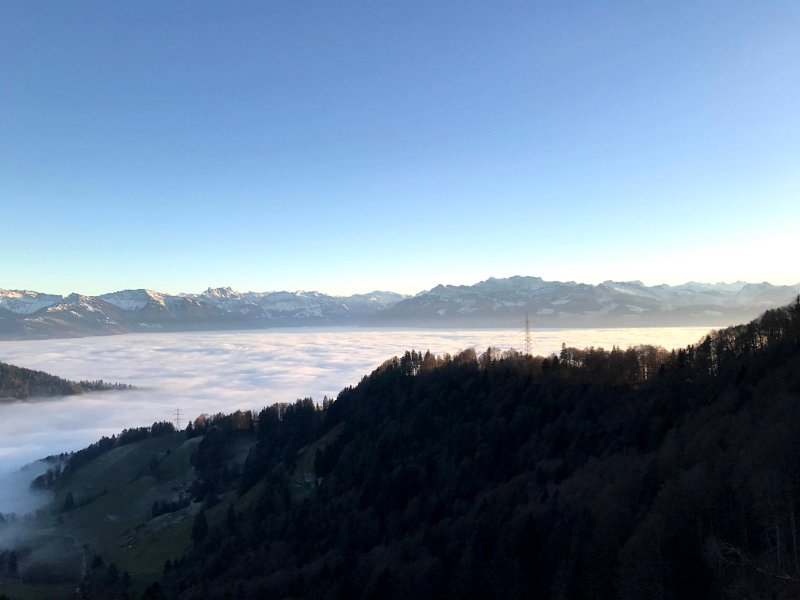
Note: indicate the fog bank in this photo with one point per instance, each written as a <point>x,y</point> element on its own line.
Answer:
<point>211,372</point>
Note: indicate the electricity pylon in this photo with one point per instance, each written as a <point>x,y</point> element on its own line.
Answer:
<point>178,418</point>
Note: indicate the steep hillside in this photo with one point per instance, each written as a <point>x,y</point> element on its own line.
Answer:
<point>627,474</point>
<point>621,474</point>
<point>120,502</point>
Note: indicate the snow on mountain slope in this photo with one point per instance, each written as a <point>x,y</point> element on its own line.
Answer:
<point>490,303</point>
<point>133,299</point>
<point>500,302</point>
<point>24,302</point>
<point>371,302</point>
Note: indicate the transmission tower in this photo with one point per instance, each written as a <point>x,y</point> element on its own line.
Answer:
<point>527,335</point>
<point>178,418</point>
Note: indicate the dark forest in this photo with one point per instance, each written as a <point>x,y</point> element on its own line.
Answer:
<point>18,383</point>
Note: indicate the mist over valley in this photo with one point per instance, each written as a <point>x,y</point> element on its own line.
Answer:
<point>394,301</point>
<point>211,372</point>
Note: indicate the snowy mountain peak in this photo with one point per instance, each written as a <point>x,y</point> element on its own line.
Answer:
<point>133,299</point>
<point>490,303</point>
<point>26,302</point>
<point>222,293</point>
<point>611,283</point>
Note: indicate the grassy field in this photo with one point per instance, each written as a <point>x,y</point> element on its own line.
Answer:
<point>113,496</point>
<point>112,516</point>
<point>303,476</point>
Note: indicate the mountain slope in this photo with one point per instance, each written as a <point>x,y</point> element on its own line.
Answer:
<point>26,315</point>
<point>627,474</point>
<point>504,302</point>
<point>490,303</point>
<point>623,474</point>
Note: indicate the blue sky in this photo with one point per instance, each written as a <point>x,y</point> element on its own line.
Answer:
<point>353,146</point>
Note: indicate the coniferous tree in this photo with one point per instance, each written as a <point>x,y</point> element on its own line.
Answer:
<point>199,526</point>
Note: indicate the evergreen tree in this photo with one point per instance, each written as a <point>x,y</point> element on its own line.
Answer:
<point>199,526</point>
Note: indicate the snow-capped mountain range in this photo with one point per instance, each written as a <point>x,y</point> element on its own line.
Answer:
<point>490,303</point>
<point>504,302</point>
<point>27,314</point>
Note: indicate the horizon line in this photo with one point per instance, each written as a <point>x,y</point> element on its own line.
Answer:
<point>424,290</point>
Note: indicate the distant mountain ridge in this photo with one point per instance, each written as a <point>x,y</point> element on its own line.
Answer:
<point>504,302</point>
<point>490,303</point>
<point>29,315</point>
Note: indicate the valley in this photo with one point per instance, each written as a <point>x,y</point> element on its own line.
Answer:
<point>442,476</point>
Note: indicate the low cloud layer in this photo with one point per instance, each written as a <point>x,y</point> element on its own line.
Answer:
<point>224,371</point>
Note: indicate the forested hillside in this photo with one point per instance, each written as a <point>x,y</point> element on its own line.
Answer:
<point>19,383</point>
<point>599,474</point>
<point>621,474</point>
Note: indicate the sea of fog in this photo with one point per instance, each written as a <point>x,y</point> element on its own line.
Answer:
<point>210,372</point>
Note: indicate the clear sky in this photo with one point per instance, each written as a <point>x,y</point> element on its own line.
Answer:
<point>349,146</point>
